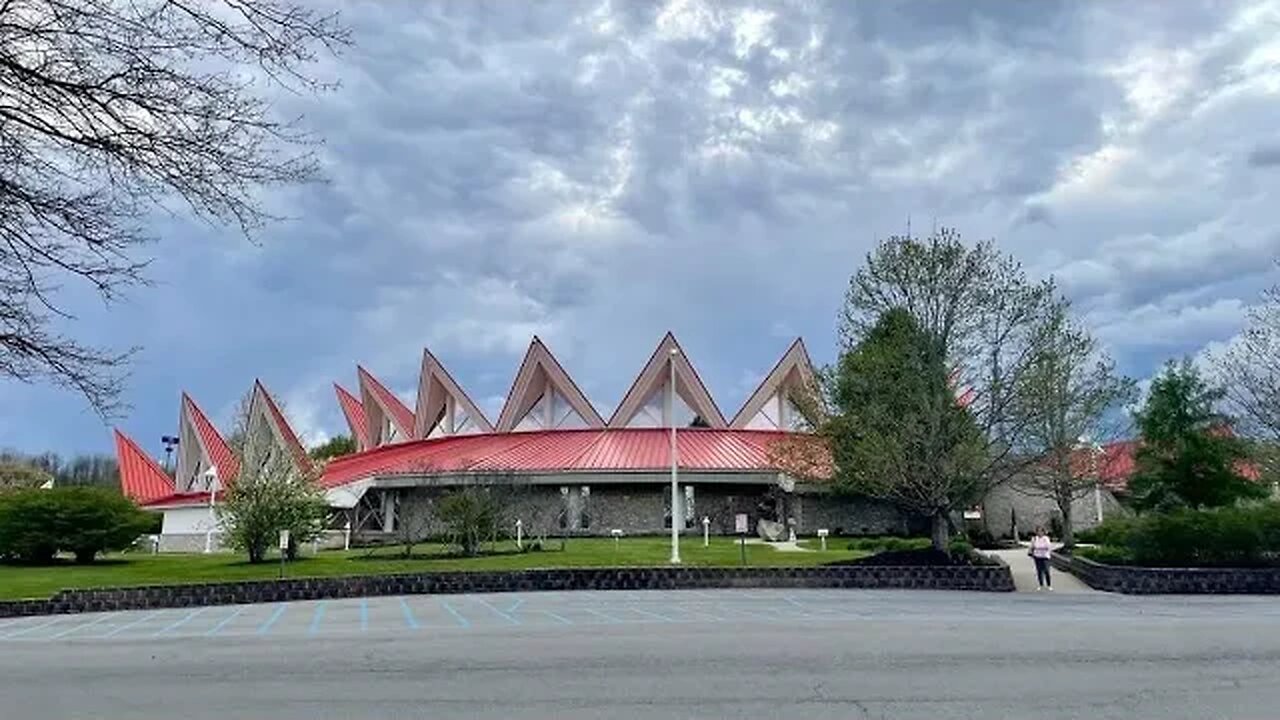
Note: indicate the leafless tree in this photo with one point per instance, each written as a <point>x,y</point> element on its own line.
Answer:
<point>113,109</point>
<point>1072,397</point>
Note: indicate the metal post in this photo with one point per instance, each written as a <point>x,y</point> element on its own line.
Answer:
<point>677,517</point>
<point>706,531</point>
<point>519,534</point>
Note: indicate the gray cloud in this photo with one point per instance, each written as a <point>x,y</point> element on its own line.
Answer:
<point>600,172</point>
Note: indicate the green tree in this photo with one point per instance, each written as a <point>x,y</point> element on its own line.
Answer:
<point>35,525</point>
<point>1071,395</point>
<point>1189,455</point>
<point>269,494</point>
<point>895,429</point>
<point>983,322</point>
<point>336,446</point>
<point>470,516</point>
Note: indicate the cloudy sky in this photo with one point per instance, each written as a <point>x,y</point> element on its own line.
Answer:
<point>600,172</point>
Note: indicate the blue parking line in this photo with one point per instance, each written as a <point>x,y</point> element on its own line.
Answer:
<point>457,615</point>
<point>36,626</point>
<point>654,615</point>
<point>74,628</point>
<point>515,605</point>
<point>265,627</point>
<point>223,622</point>
<point>179,623</point>
<point>316,618</point>
<point>564,620</point>
<point>140,619</point>
<point>608,618</point>
<point>511,620</point>
<point>409,619</point>
<point>364,614</point>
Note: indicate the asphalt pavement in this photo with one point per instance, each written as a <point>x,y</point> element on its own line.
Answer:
<point>675,654</point>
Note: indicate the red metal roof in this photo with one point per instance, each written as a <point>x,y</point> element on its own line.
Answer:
<point>617,449</point>
<point>182,499</point>
<point>354,412</point>
<point>219,452</point>
<point>300,455</point>
<point>141,478</point>
<point>401,415</point>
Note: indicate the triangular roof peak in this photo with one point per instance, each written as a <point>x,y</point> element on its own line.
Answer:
<point>772,403</point>
<point>261,404</point>
<point>538,373</point>
<point>201,447</point>
<point>353,411</point>
<point>141,477</point>
<point>655,377</point>
<point>443,407</point>
<point>386,418</point>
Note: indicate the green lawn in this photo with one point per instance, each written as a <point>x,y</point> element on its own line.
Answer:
<point>134,569</point>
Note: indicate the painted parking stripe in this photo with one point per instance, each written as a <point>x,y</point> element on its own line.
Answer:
<point>30,628</point>
<point>265,627</point>
<point>515,605</point>
<point>511,620</point>
<point>316,617</point>
<point>409,618</point>
<point>81,626</point>
<point>608,618</point>
<point>138,621</point>
<point>560,618</point>
<point>457,615</point>
<point>180,622</point>
<point>364,614</point>
<point>654,615</point>
<point>223,623</point>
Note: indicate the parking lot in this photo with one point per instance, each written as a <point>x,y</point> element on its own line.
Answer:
<point>498,613</point>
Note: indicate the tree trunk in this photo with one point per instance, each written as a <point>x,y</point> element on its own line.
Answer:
<point>1068,532</point>
<point>940,531</point>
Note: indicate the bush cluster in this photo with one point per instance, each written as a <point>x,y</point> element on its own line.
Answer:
<point>1242,536</point>
<point>36,525</point>
<point>887,544</point>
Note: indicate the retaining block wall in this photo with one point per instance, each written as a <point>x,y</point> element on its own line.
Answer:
<point>993,578</point>
<point>1172,581</point>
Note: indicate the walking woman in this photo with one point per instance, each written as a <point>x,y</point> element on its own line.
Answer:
<point>1040,553</point>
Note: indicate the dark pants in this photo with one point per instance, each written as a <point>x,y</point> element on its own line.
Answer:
<point>1042,572</point>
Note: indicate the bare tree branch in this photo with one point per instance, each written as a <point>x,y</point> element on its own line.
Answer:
<point>111,109</point>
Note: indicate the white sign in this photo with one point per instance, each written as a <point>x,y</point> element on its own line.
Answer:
<point>822,532</point>
<point>972,514</point>
<point>740,523</point>
<point>284,539</point>
<point>616,532</point>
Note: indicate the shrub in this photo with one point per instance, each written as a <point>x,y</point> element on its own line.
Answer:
<point>1107,555</point>
<point>959,547</point>
<point>1113,532</point>
<point>1224,537</point>
<point>35,525</point>
<point>470,516</point>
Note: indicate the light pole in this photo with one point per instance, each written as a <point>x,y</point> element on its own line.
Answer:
<point>676,515</point>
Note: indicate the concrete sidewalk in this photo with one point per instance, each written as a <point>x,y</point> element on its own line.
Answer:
<point>1024,573</point>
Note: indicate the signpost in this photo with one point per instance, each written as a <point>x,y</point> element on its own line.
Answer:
<point>519,534</point>
<point>706,531</point>
<point>822,534</point>
<point>617,535</point>
<point>740,526</point>
<point>284,548</point>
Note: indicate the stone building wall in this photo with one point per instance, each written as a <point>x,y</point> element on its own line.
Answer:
<point>1003,503</point>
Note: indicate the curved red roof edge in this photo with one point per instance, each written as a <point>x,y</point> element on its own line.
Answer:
<point>219,452</point>
<point>353,411</point>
